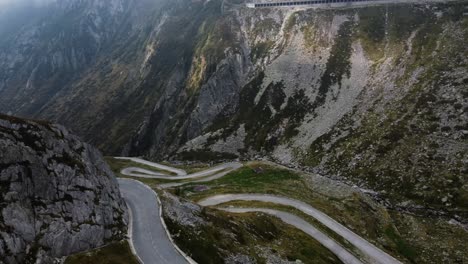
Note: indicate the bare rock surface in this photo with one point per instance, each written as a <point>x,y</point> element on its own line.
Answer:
<point>57,195</point>
<point>183,212</point>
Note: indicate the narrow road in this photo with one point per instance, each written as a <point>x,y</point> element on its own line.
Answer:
<point>228,167</point>
<point>181,174</point>
<point>148,236</point>
<point>153,245</point>
<point>156,165</point>
<point>307,228</point>
<point>373,252</point>
<point>140,172</point>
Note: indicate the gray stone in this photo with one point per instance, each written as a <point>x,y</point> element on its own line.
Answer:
<point>57,195</point>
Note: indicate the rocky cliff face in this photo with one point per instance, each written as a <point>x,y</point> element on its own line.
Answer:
<point>375,95</point>
<point>57,195</point>
<point>117,59</point>
<point>72,55</point>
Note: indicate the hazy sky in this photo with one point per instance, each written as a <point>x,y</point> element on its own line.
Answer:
<point>4,3</point>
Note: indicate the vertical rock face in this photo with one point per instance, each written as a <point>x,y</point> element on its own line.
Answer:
<point>57,195</point>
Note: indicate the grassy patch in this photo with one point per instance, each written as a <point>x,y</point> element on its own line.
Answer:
<point>245,179</point>
<point>402,246</point>
<point>205,156</point>
<point>428,240</point>
<point>116,253</point>
<point>338,64</point>
<point>189,168</point>
<point>261,50</point>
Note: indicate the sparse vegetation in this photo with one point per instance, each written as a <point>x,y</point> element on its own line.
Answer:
<point>261,50</point>
<point>116,253</point>
<point>189,168</point>
<point>205,155</point>
<point>338,64</point>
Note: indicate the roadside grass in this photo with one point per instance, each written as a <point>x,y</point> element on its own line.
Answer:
<point>355,211</point>
<point>244,180</point>
<point>425,239</point>
<point>116,253</point>
<point>402,246</point>
<point>189,168</point>
<point>251,234</point>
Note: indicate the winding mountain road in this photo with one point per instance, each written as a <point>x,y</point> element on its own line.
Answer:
<point>153,164</point>
<point>181,174</point>
<point>153,244</point>
<point>226,168</point>
<point>373,252</point>
<point>147,233</point>
<point>343,254</point>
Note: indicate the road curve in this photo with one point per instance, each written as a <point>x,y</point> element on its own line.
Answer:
<point>147,234</point>
<point>181,174</point>
<point>227,169</point>
<point>307,228</point>
<point>373,252</point>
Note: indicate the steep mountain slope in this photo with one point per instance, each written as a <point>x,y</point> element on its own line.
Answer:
<point>410,135</point>
<point>45,55</point>
<point>373,95</point>
<point>57,195</point>
<point>117,60</point>
<point>71,48</point>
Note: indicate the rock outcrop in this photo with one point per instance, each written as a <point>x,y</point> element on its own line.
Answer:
<point>57,195</point>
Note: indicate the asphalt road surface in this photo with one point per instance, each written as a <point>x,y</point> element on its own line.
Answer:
<point>156,165</point>
<point>148,236</point>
